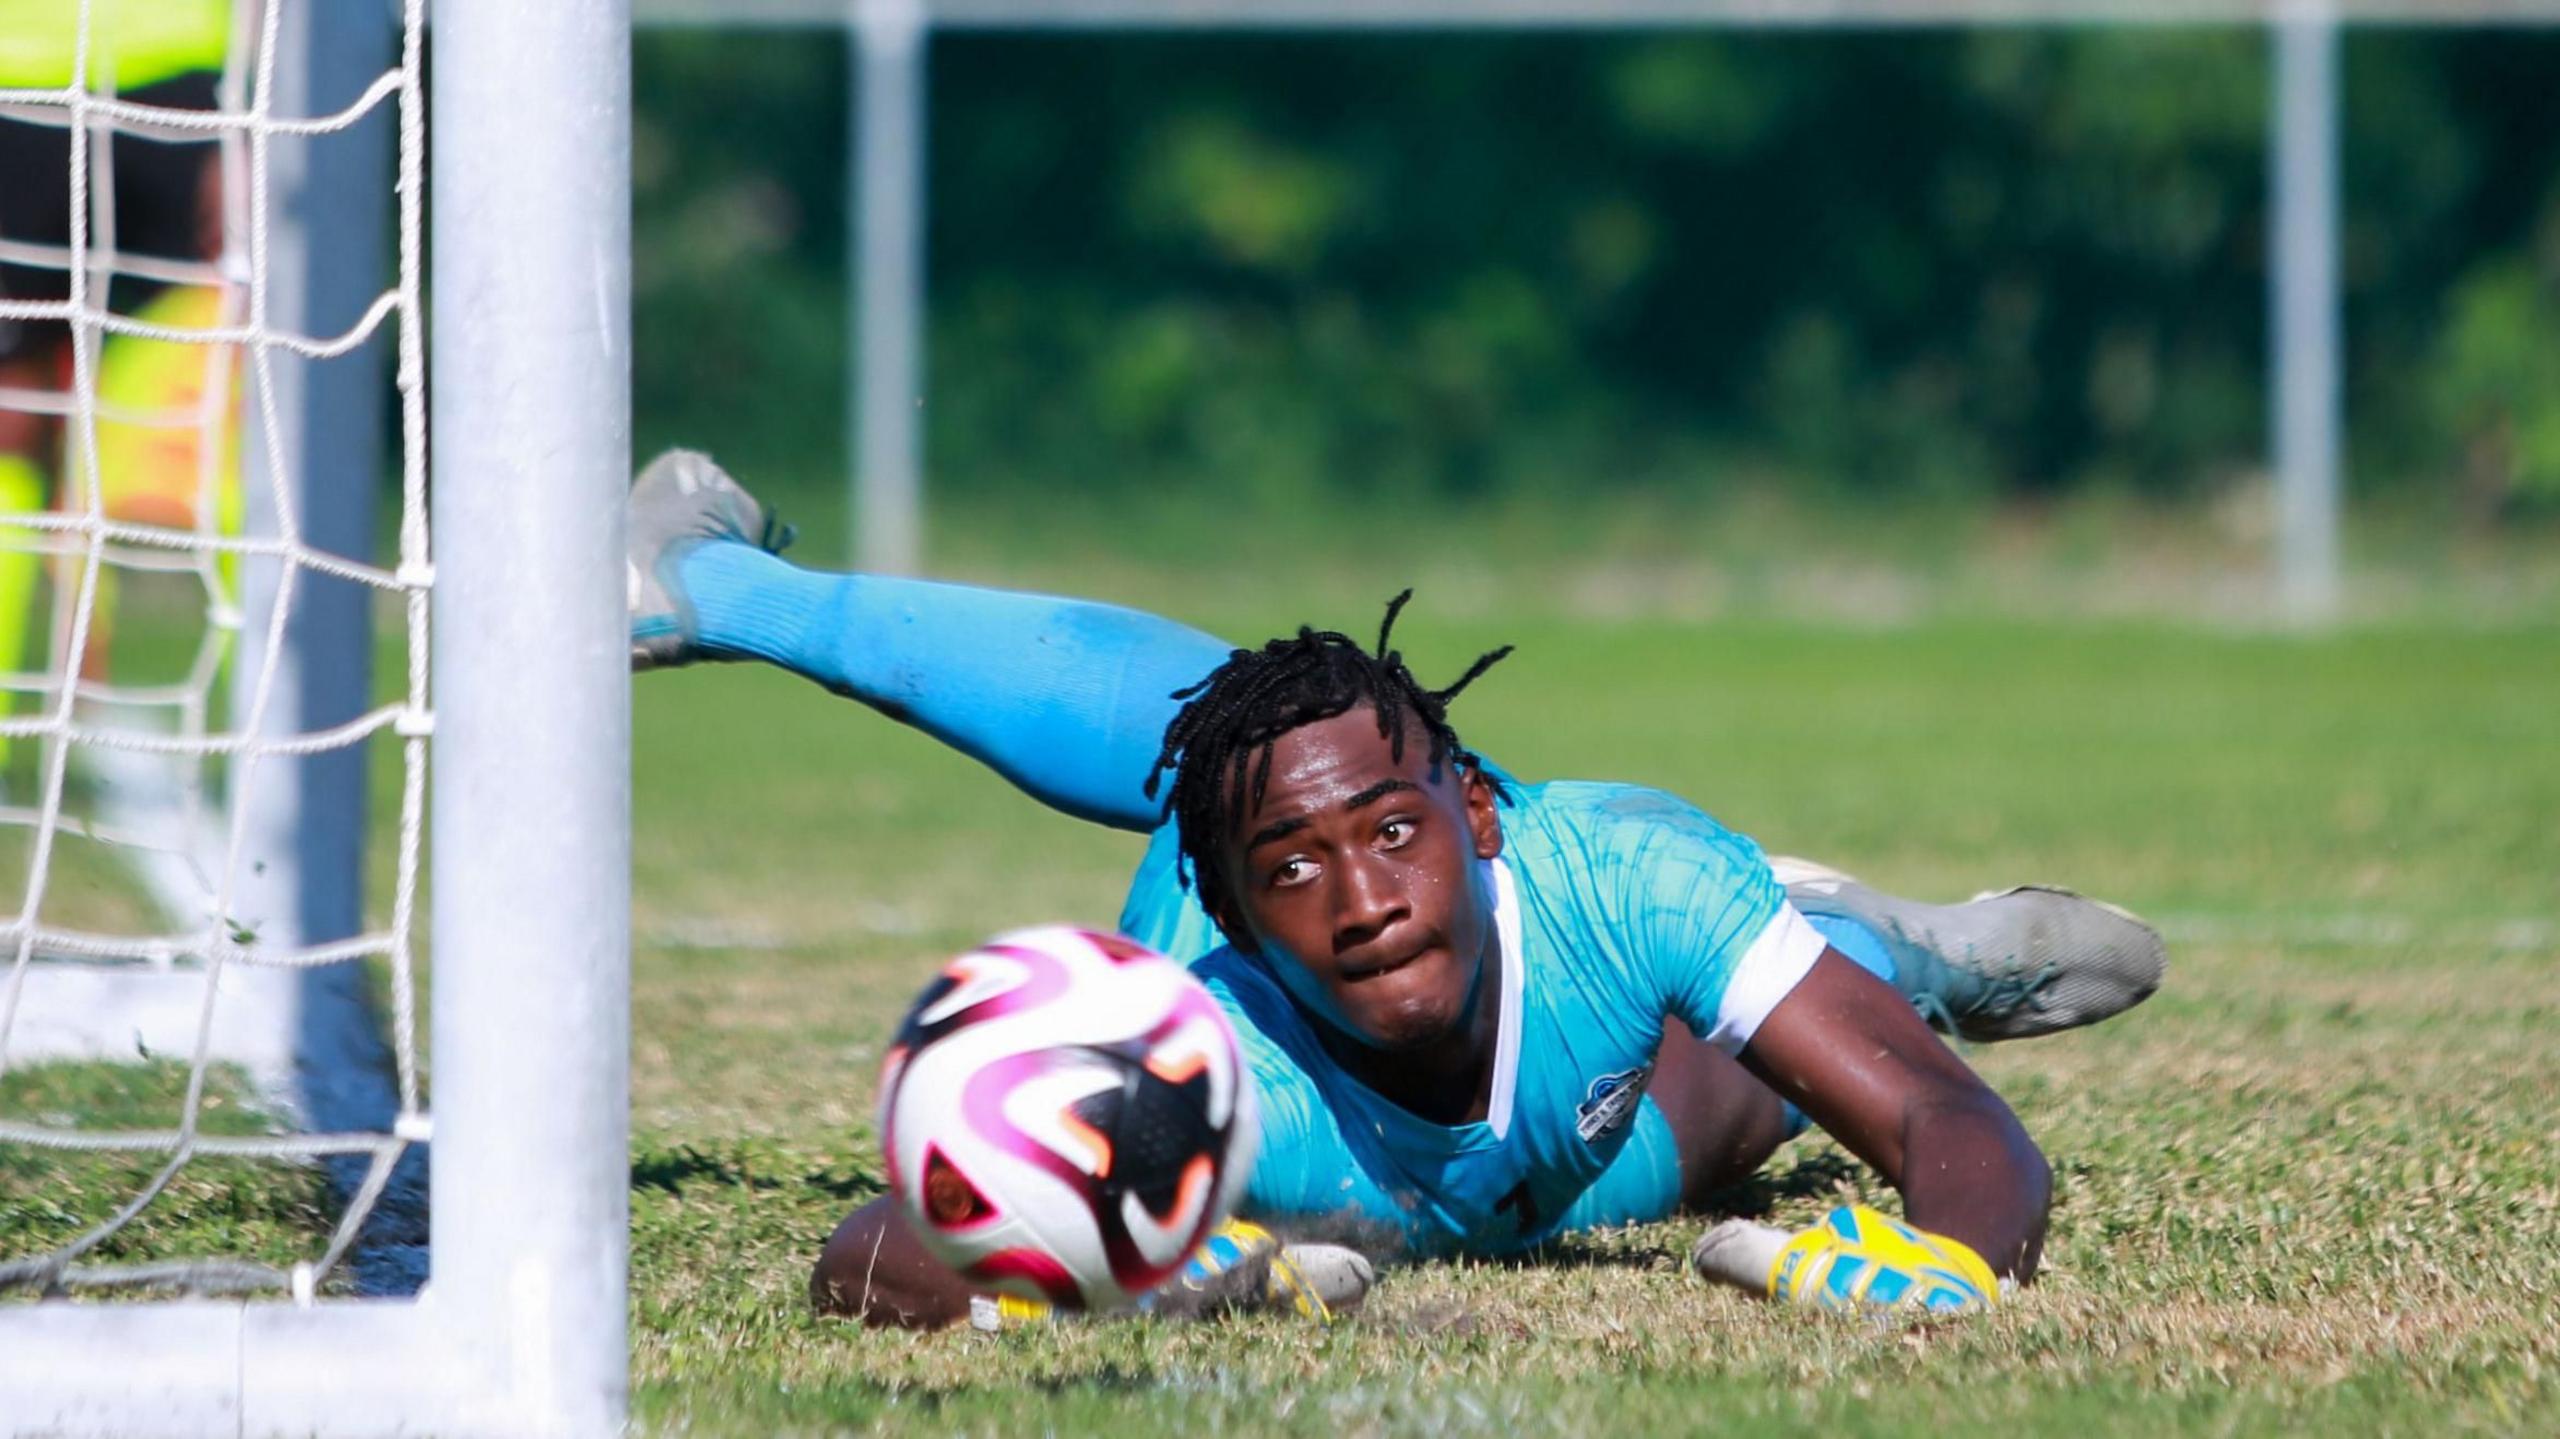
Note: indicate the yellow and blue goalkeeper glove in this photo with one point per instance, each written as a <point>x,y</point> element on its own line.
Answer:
<point>1855,1258</point>
<point>1241,1267</point>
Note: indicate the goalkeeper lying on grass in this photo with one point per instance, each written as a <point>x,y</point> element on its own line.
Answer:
<point>1480,1011</point>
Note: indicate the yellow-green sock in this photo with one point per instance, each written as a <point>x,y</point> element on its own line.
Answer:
<point>22,491</point>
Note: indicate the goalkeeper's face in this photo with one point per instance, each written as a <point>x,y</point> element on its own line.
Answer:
<point>1362,871</point>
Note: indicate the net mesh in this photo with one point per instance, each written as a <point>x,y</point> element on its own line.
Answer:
<point>204,752</point>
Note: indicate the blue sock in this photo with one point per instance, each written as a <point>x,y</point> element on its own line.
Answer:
<point>1856,941</point>
<point>1066,698</point>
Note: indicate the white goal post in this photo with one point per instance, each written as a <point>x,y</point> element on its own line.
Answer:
<point>521,1326</point>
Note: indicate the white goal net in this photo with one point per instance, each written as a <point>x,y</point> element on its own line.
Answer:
<point>165,772</point>
<point>193,721</point>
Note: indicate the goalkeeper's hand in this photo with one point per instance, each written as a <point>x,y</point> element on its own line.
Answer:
<point>1245,1268</point>
<point>1855,1258</point>
<point>1241,1268</point>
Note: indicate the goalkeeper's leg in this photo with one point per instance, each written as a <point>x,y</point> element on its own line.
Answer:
<point>2006,964</point>
<point>22,491</point>
<point>1067,698</point>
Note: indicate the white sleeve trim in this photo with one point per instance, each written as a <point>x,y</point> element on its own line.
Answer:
<point>1768,972</point>
<point>1515,978</point>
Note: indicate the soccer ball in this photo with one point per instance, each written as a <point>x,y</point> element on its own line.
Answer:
<point>1066,1116</point>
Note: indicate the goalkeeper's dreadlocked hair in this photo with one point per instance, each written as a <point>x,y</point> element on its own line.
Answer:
<point>1219,747</point>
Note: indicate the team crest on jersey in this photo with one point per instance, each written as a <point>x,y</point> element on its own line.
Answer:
<point>1611,1102</point>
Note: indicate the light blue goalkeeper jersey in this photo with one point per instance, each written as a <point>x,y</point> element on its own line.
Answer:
<point>1616,905</point>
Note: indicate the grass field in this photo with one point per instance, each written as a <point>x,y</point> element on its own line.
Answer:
<point>2314,1184</point>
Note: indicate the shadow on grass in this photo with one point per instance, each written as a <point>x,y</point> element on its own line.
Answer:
<point>993,1402</point>
<point>1815,1176</point>
<point>1819,1175</point>
<point>751,1166</point>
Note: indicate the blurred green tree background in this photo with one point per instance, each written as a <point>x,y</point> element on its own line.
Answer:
<point>1960,263</point>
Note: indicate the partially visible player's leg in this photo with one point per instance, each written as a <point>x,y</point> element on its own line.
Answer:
<point>1067,698</point>
<point>34,200</point>
<point>22,491</point>
<point>26,440</point>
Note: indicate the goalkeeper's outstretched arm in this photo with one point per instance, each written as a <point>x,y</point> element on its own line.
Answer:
<point>875,1269</point>
<point>1852,1053</point>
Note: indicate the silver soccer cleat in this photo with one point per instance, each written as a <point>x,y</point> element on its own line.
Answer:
<point>2006,964</point>
<point>681,500</point>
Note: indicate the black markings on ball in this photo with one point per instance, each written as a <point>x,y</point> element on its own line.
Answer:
<point>1156,1129</point>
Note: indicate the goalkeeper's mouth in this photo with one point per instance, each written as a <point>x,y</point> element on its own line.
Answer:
<point>1363,972</point>
<point>1408,999</point>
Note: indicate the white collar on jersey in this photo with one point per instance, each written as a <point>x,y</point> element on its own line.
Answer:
<point>1515,966</point>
